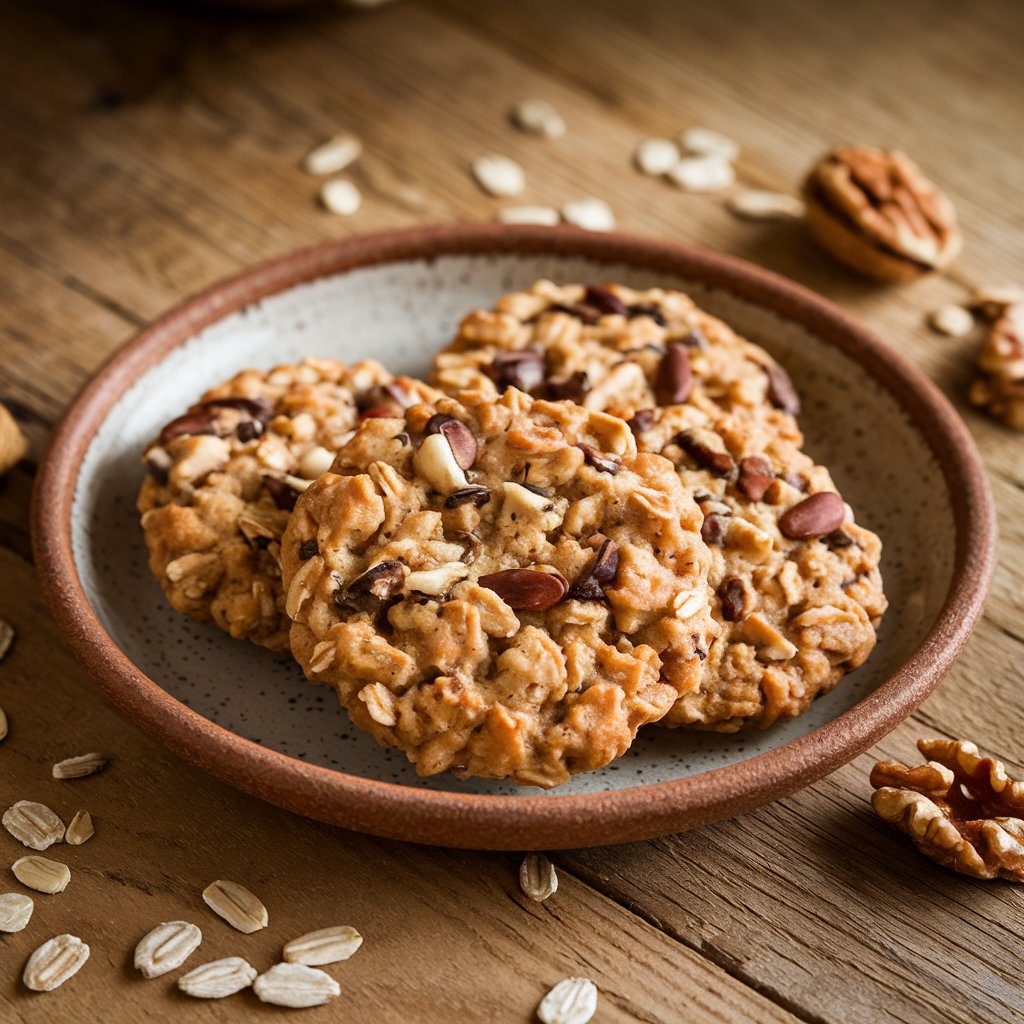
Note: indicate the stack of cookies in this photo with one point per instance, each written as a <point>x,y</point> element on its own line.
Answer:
<point>597,516</point>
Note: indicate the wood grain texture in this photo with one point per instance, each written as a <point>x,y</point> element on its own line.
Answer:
<point>149,150</point>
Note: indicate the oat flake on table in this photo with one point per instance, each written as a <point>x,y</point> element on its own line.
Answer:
<point>334,155</point>
<point>218,978</point>
<point>656,156</point>
<point>79,767</point>
<point>326,946</point>
<point>591,213</point>
<point>237,905</point>
<point>538,117</point>
<point>499,175</point>
<point>6,638</point>
<point>546,216</point>
<point>702,174</point>
<point>571,1001</point>
<point>54,962</point>
<point>341,196</point>
<point>42,874</point>
<point>33,824</point>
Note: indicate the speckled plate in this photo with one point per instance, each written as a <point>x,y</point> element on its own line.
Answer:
<point>897,450</point>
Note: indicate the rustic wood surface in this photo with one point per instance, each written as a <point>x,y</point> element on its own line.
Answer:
<point>150,149</point>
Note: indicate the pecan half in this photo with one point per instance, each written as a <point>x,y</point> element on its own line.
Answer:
<point>755,477</point>
<point>733,596</point>
<point>702,447</point>
<point>960,809</point>
<point>526,590</point>
<point>999,389</point>
<point>877,213</point>
<point>643,419</point>
<point>781,391</point>
<point>674,379</point>
<point>284,495</point>
<point>522,369</point>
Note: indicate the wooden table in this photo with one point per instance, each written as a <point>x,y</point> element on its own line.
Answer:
<point>148,150</point>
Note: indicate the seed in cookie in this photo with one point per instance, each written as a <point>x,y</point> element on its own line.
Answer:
<point>526,590</point>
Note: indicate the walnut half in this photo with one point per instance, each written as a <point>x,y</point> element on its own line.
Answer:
<point>999,388</point>
<point>960,809</point>
<point>876,212</point>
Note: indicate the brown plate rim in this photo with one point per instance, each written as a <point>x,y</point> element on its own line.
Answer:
<point>548,821</point>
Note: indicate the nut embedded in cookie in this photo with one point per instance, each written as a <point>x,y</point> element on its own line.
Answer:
<point>960,809</point>
<point>530,608</point>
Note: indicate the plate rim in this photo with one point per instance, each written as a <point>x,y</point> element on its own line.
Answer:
<point>490,821</point>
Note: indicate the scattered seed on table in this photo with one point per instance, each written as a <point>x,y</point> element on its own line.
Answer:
<point>702,174</point>
<point>42,874</point>
<point>6,638</point>
<point>326,946</point>
<point>951,320</point>
<point>239,907</point>
<point>218,978</point>
<point>499,175</point>
<point>34,825</point>
<point>54,962</point>
<point>656,156</point>
<point>79,767</point>
<point>707,142</point>
<point>166,947</point>
<point>538,117</point>
<point>15,911</point>
<point>760,204</point>
<point>334,155</point>
<point>590,213</point>
<point>339,195</point>
<point>80,829</point>
<point>537,877</point>
<point>571,1001</point>
<point>543,215</point>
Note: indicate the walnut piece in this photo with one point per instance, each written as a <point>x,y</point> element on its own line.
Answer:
<point>877,213</point>
<point>999,389</point>
<point>960,809</point>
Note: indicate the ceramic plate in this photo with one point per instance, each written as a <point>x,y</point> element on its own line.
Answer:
<point>897,451</point>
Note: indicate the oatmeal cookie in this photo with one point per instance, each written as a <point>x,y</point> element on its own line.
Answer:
<point>797,589</point>
<point>499,587</point>
<point>223,478</point>
<point>617,350</point>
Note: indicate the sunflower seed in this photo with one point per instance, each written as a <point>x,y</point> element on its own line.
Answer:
<point>41,874</point>
<point>498,175</point>
<point>3,724</point>
<point>339,195</point>
<point>218,979</point>
<point>166,947</point>
<point>54,962</point>
<point>6,638</point>
<point>15,911</point>
<point>537,877</point>
<point>571,1001</point>
<point>239,907</point>
<point>333,155</point>
<point>590,213</point>
<point>79,767</point>
<point>656,156</point>
<point>951,320</point>
<point>706,142</point>
<point>33,825</point>
<point>80,830</point>
<point>702,174</point>
<point>538,117</point>
<point>295,985</point>
<point>326,946</point>
<point>760,204</point>
<point>543,215</point>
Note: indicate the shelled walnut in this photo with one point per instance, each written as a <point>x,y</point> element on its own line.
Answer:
<point>876,212</point>
<point>960,809</point>
<point>999,388</point>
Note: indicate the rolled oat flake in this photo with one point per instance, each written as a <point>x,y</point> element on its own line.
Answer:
<point>499,175</point>
<point>537,877</point>
<point>218,978</point>
<point>34,825</point>
<point>591,213</point>
<point>326,946</point>
<point>15,911</point>
<point>334,155</point>
<point>54,962</point>
<point>239,907</point>
<point>339,195</point>
<point>79,767</point>
<point>571,1001</point>
<point>166,947</point>
<point>295,985</point>
<point>538,117</point>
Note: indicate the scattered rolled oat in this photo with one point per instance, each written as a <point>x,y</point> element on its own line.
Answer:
<point>590,213</point>
<point>702,174</point>
<point>42,874</point>
<point>33,824</point>
<point>15,911</point>
<point>6,638</point>
<point>537,877</point>
<point>707,142</point>
<point>760,204</point>
<point>499,175</point>
<point>656,156</point>
<point>546,216</point>
<point>295,985</point>
<point>326,946</point>
<point>334,155</point>
<point>538,117</point>
<point>54,962</point>
<point>79,767</point>
<point>218,978</point>
<point>80,829</point>
<point>960,809</point>
<point>12,442</point>
<point>951,320</point>
<point>239,907</point>
<point>339,195</point>
<point>166,948</point>
<point>571,1001</point>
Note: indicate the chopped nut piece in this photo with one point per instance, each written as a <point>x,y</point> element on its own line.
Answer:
<point>499,175</point>
<point>537,877</point>
<point>951,320</point>
<point>999,389</point>
<point>34,825</point>
<point>590,213</point>
<point>334,155</point>
<point>538,117</point>
<point>41,874</point>
<point>656,156</point>
<point>326,946</point>
<point>707,142</point>
<point>341,196</point>
<point>702,174</point>
<point>218,979</point>
<point>239,907</point>
<point>54,962</point>
<point>80,830</point>
<point>166,948</point>
<point>771,644</point>
<point>315,462</point>
<point>877,213</point>
<point>435,461</point>
<point>79,767</point>
<point>437,581</point>
<point>571,1001</point>
<point>758,204</point>
<point>12,441</point>
<point>15,911</point>
<point>546,216</point>
<point>295,985</point>
<point>674,380</point>
<point>960,809</point>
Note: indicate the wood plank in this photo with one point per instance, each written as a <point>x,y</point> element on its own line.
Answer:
<point>448,934</point>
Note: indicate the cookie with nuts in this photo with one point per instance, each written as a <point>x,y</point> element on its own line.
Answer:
<point>617,350</point>
<point>499,586</point>
<point>223,477</point>
<point>797,592</point>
